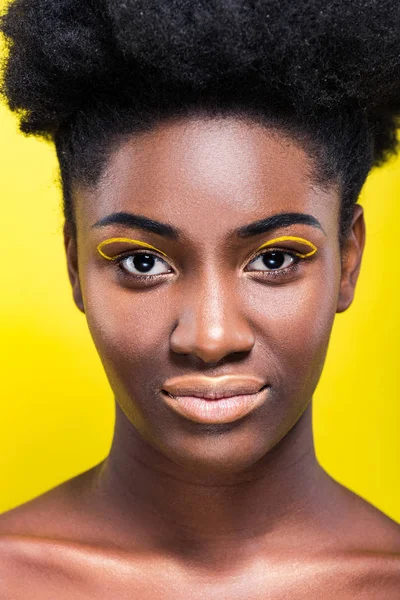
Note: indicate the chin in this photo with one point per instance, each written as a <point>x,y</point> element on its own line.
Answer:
<point>217,449</point>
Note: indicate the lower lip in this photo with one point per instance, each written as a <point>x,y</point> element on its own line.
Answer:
<point>223,410</point>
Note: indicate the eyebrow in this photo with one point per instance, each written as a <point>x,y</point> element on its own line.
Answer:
<point>252,229</point>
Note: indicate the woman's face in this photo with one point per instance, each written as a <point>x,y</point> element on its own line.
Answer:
<point>214,306</point>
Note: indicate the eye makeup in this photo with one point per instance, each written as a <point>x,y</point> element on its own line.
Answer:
<point>272,275</point>
<point>120,239</point>
<point>291,238</point>
<point>265,245</point>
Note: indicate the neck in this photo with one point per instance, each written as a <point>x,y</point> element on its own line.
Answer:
<point>172,508</point>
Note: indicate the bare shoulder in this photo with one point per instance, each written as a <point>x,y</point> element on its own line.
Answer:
<point>379,555</point>
<point>367,574</point>
<point>33,567</point>
<point>368,528</point>
<point>364,545</point>
<point>356,525</point>
<point>40,543</point>
<point>51,514</point>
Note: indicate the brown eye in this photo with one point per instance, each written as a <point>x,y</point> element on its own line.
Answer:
<point>273,260</point>
<point>142,264</point>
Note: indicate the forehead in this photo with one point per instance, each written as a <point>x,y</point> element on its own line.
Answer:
<point>207,173</point>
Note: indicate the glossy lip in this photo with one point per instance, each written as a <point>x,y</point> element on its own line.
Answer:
<point>214,400</point>
<point>223,410</point>
<point>213,388</point>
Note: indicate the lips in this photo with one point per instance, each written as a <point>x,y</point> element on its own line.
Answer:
<point>213,388</point>
<point>213,400</point>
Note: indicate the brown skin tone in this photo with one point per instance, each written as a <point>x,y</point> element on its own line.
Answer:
<point>178,510</point>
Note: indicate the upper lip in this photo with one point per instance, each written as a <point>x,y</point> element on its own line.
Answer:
<point>213,388</point>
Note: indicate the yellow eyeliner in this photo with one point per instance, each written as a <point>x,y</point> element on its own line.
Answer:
<point>111,240</point>
<point>266,244</point>
<point>296,239</point>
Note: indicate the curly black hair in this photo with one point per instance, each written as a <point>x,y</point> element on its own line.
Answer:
<point>85,73</point>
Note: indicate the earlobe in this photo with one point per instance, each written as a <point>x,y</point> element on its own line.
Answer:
<point>351,260</point>
<point>71,252</point>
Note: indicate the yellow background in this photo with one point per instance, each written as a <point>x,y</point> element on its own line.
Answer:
<point>57,411</point>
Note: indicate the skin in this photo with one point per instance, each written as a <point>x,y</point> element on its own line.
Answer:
<point>178,509</point>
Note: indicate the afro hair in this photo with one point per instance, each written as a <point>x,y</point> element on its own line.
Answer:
<point>85,73</point>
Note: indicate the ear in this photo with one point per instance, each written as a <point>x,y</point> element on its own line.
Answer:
<point>351,259</point>
<point>71,251</point>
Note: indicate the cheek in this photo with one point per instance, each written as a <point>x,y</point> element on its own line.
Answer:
<point>294,323</point>
<point>128,328</point>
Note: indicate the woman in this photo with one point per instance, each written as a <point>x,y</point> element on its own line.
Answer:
<point>211,156</point>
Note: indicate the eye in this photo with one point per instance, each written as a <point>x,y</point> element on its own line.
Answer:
<point>142,264</point>
<point>275,260</point>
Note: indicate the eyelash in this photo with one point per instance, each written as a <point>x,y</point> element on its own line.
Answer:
<point>274,274</point>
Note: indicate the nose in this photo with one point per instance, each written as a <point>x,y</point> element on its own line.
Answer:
<point>211,324</point>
